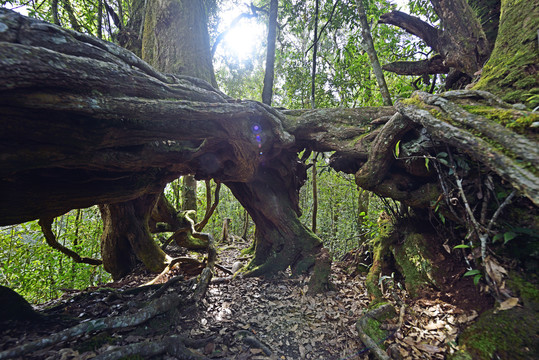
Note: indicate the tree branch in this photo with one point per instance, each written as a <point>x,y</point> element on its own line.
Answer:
<point>434,65</point>
<point>46,227</point>
<point>415,26</point>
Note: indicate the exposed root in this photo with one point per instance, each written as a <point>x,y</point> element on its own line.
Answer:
<point>174,345</point>
<point>361,326</point>
<point>249,339</point>
<point>154,308</point>
<point>161,304</point>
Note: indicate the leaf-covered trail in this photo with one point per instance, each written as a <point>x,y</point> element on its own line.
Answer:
<point>253,318</point>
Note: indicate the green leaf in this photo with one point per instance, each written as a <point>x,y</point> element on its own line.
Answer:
<point>362,213</point>
<point>476,279</point>
<point>472,272</point>
<point>444,161</point>
<point>497,238</point>
<point>462,246</point>
<point>427,164</point>
<point>442,217</point>
<point>397,150</point>
<point>508,236</point>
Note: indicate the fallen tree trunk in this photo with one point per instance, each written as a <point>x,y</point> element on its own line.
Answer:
<point>86,122</point>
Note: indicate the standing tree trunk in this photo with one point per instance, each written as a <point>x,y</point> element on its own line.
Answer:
<point>272,199</point>
<point>516,45</point>
<point>461,45</point>
<point>126,237</point>
<point>267,91</point>
<point>189,193</point>
<point>315,51</point>
<point>368,45</point>
<point>315,195</point>
<point>176,41</point>
<point>166,49</point>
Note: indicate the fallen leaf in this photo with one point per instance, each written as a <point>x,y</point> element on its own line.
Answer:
<point>508,304</point>
<point>429,348</point>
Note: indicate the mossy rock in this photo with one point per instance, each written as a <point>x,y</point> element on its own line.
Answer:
<point>415,260</point>
<point>506,335</point>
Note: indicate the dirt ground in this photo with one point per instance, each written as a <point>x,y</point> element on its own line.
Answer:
<point>256,318</point>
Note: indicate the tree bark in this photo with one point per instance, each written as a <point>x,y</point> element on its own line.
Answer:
<point>368,45</point>
<point>461,41</point>
<point>272,199</point>
<point>267,91</point>
<point>512,69</point>
<point>127,238</point>
<point>85,122</point>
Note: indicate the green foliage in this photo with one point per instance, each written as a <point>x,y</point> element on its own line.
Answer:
<point>341,224</point>
<point>476,275</point>
<point>38,272</point>
<point>228,208</point>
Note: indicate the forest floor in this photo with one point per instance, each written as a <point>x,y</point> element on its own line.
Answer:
<point>247,318</point>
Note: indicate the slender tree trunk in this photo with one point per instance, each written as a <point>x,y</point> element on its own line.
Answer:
<point>71,14</point>
<point>189,193</point>
<point>315,50</point>
<point>267,91</point>
<point>315,195</point>
<point>362,208</point>
<point>54,8</point>
<point>368,45</point>
<point>121,14</point>
<point>99,18</point>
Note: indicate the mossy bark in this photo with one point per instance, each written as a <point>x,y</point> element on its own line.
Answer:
<point>271,198</point>
<point>414,259</point>
<point>380,253</point>
<point>126,237</point>
<point>512,69</point>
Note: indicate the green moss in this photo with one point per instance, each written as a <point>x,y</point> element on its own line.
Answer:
<point>414,260</point>
<point>373,326</point>
<point>528,292</point>
<point>511,70</point>
<point>505,335</point>
<point>459,355</point>
<point>510,118</point>
<point>380,251</point>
